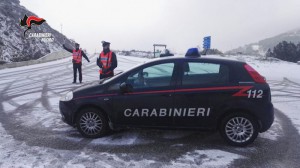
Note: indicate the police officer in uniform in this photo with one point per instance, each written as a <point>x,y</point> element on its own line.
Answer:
<point>77,54</point>
<point>107,61</point>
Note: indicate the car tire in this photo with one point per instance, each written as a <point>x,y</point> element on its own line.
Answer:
<point>239,129</point>
<point>91,123</point>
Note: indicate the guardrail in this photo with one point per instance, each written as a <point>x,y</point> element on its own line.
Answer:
<point>49,57</point>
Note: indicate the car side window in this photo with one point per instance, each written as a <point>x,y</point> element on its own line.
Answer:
<point>153,76</point>
<point>198,73</point>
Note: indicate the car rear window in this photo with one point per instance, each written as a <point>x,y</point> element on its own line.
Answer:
<point>197,73</point>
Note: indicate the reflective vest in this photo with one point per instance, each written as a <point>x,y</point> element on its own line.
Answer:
<point>77,56</point>
<point>106,60</point>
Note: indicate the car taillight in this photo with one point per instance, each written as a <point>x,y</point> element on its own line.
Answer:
<point>254,74</point>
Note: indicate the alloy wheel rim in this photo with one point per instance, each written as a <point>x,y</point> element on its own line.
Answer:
<point>239,129</point>
<point>90,123</point>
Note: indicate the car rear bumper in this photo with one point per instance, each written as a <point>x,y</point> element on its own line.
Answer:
<point>266,117</point>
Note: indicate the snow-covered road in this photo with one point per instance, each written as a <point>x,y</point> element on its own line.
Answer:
<point>33,135</point>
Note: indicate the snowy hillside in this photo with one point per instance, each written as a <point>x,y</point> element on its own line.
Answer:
<point>261,47</point>
<point>13,45</point>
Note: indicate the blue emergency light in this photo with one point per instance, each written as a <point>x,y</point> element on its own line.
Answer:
<point>192,52</point>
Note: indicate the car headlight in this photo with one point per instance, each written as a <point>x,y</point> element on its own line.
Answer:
<point>67,97</point>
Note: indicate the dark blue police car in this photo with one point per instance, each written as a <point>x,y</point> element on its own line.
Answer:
<point>175,92</point>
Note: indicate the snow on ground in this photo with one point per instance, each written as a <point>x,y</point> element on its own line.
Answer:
<point>126,138</point>
<point>28,156</point>
<point>274,133</point>
<point>206,158</point>
<point>34,156</point>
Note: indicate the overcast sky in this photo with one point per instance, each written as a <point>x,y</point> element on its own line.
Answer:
<point>181,24</point>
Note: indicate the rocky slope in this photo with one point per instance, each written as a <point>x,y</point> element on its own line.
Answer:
<point>13,45</point>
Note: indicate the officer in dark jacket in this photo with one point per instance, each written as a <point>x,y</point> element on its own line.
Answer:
<point>77,55</point>
<point>166,54</point>
<point>107,61</point>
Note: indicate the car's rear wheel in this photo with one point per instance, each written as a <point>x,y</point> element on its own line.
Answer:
<point>239,129</point>
<point>91,123</point>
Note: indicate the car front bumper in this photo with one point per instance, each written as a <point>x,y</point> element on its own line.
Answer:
<point>67,112</point>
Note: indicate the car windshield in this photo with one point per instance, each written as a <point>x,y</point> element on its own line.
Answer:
<point>106,80</point>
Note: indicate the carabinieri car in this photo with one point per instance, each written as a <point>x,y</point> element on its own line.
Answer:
<point>177,92</point>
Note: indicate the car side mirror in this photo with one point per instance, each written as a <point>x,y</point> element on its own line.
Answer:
<point>125,88</point>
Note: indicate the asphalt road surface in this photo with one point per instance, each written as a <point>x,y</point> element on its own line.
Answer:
<point>33,135</point>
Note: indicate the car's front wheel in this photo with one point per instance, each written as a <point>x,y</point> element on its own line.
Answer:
<point>91,123</point>
<point>239,129</point>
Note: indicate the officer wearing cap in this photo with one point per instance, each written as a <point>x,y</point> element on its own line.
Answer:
<point>77,55</point>
<point>107,61</point>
